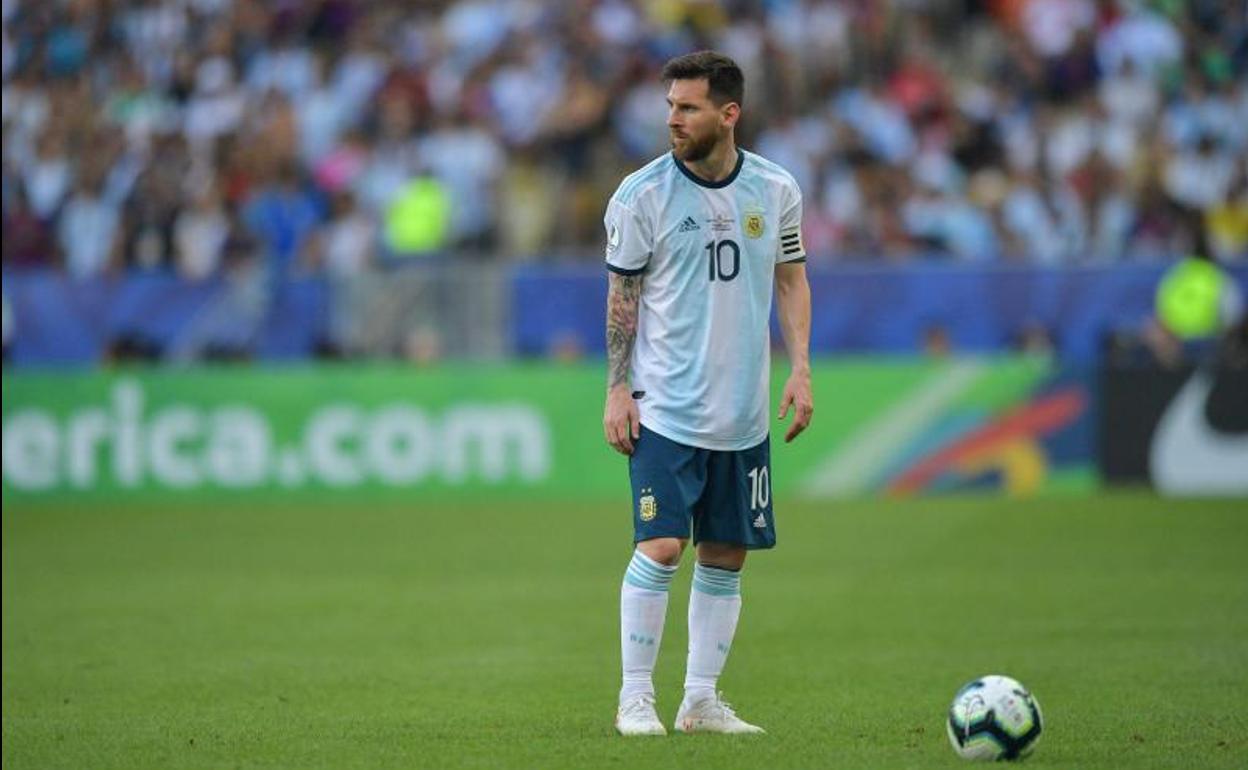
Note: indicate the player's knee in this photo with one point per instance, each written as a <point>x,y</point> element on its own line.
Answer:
<point>664,550</point>
<point>721,555</point>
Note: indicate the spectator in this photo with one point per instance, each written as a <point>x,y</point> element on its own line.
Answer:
<point>1046,219</point>
<point>1200,178</point>
<point>1227,222</point>
<point>468,160</point>
<point>321,116</point>
<point>27,239</point>
<point>348,242</point>
<point>1053,26</point>
<point>282,214</point>
<point>48,175</point>
<point>882,124</point>
<point>527,203</point>
<point>418,220</point>
<point>200,234</point>
<point>216,106</point>
<point>152,208</point>
<point>88,231</point>
<point>1128,96</point>
<point>640,119</point>
<point>1143,37</point>
<point>1111,213</point>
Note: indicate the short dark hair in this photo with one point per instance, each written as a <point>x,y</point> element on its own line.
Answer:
<point>724,80</point>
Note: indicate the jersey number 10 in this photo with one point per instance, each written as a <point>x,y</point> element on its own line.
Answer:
<point>760,488</point>
<point>715,260</point>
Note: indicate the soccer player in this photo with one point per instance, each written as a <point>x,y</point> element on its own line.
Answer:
<point>696,242</point>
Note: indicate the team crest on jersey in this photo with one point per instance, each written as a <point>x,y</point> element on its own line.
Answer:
<point>647,508</point>
<point>753,224</point>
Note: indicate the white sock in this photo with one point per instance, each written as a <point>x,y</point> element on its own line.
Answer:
<point>714,606</point>
<point>643,607</point>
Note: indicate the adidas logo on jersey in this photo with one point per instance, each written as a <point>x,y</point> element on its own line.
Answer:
<point>760,522</point>
<point>688,226</point>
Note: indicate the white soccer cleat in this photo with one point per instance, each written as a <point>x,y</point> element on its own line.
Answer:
<point>638,717</point>
<point>712,715</point>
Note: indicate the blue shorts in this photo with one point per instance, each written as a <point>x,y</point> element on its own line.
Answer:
<point>718,497</point>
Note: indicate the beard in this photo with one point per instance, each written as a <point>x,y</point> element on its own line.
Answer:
<point>696,148</point>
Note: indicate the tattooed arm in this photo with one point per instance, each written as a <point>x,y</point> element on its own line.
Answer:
<point>621,422</point>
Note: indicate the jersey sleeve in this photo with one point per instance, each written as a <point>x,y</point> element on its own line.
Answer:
<point>629,239</point>
<point>791,247</point>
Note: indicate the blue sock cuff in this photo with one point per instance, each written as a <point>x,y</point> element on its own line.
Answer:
<point>716,581</point>
<point>644,572</point>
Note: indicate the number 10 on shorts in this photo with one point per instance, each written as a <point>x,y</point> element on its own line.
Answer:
<point>760,488</point>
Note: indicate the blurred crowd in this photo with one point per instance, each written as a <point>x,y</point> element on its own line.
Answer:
<point>325,136</point>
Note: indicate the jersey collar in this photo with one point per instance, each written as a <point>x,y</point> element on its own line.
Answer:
<point>713,185</point>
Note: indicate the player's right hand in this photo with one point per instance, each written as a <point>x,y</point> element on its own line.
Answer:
<point>621,420</point>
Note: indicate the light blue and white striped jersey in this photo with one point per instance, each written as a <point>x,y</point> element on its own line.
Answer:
<point>708,252</point>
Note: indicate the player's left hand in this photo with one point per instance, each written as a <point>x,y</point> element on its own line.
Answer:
<point>797,395</point>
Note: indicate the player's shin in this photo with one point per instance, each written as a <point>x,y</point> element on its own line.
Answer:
<point>714,606</point>
<point>643,608</point>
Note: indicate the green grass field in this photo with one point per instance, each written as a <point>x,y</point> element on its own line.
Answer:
<point>323,636</point>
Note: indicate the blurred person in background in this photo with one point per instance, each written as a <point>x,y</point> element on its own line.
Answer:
<point>148,221</point>
<point>1046,217</point>
<point>89,230</point>
<point>156,198</point>
<point>528,205</point>
<point>200,233</point>
<point>1109,208</point>
<point>346,252</point>
<point>467,159</point>
<point>1227,222</point>
<point>347,245</point>
<point>418,219</point>
<point>283,214</point>
<point>569,130</point>
<point>28,242</point>
<point>229,325</point>
<point>1200,177</point>
<point>47,175</point>
<point>217,105</point>
<point>1196,303</point>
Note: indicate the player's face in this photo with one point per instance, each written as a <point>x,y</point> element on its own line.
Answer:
<point>694,122</point>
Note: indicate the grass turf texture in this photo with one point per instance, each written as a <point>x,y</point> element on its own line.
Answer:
<point>321,636</point>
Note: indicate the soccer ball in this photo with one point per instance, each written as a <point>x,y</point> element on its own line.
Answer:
<point>994,717</point>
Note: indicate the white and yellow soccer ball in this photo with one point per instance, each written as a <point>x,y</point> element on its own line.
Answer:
<point>994,717</point>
